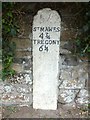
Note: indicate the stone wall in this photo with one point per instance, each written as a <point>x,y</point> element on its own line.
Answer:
<point>73,77</point>
<point>72,84</point>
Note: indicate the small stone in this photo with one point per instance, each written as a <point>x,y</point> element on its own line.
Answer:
<point>64,51</point>
<point>17,67</point>
<point>30,89</point>
<point>70,60</point>
<point>7,88</point>
<point>23,62</point>
<point>68,45</point>
<point>30,36</point>
<point>27,67</point>
<point>61,100</point>
<point>28,78</point>
<point>21,77</point>
<point>65,75</point>
<point>73,84</point>
<point>75,74</point>
<point>83,97</point>
<point>67,95</point>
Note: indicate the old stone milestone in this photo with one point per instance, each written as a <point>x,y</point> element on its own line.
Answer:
<point>46,42</point>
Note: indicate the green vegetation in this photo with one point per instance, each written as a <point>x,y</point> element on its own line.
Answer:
<point>83,41</point>
<point>9,29</point>
<point>83,46</point>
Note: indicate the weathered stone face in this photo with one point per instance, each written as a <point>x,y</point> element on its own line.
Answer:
<point>46,41</point>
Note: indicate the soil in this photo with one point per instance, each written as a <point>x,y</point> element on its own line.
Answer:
<point>63,111</point>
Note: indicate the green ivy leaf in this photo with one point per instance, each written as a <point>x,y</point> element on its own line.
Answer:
<point>13,32</point>
<point>10,14</point>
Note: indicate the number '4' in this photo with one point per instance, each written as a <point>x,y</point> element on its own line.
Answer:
<point>46,35</point>
<point>41,36</point>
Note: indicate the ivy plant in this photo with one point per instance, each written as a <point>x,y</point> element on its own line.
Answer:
<point>9,29</point>
<point>83,41</point>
